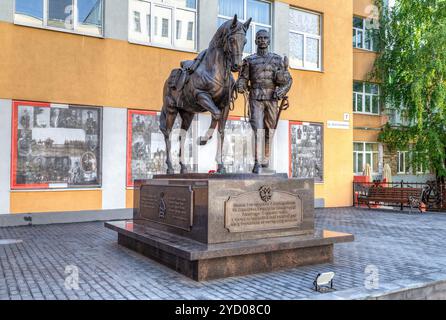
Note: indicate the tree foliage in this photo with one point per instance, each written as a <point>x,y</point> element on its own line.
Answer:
<point>412,68</point>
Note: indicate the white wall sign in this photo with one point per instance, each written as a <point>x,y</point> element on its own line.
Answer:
<point>338,124</point>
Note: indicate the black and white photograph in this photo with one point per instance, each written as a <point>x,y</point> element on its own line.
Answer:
<point>58,146</point>
<point>148,155</point>
<point>238,146</point>
<point>25,117</point>
<point>307,151</point>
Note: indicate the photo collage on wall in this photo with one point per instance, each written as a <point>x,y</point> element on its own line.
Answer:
<point>146,155</point>
<point>56,146</point>
<point>238,146</point>
<point>306,150</point>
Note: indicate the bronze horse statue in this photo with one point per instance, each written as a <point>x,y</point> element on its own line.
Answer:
<point>205,84</point>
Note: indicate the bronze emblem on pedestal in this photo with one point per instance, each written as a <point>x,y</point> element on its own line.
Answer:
<point>266,193</point>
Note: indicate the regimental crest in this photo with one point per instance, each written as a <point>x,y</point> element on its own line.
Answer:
<point>266,193</point>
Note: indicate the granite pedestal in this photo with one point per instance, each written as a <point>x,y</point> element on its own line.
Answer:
<point>214,226</point>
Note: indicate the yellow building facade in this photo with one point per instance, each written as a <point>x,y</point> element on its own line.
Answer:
<point>113,72</point>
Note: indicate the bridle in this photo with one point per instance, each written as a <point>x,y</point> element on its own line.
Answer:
<point>233,95</point>
<point>227,50</point>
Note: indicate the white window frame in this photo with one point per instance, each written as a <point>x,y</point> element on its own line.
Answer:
<point>363,30</point>
<point>404,155</point>
<point>312,36</point>
<point>253,24</point>
<point>45,25</point>
<point>367,96</point>
<point>158,3</point>
<point>422,171</point>
<point>410,170</point>
<point>364,157</point>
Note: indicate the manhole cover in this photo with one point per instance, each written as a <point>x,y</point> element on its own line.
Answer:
<point>9,241</point>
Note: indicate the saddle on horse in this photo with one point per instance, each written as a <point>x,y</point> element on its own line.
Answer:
<point>179,77</point>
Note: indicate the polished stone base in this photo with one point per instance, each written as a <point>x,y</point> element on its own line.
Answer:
<point>202,262</point>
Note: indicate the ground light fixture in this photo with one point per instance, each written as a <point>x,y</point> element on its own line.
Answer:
<point>324,282</point>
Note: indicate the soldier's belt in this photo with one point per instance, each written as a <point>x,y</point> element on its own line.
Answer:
<point>263,86</point>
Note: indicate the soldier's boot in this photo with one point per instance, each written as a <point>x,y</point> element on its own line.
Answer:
<point>256,168</point>
<point>265,160</point>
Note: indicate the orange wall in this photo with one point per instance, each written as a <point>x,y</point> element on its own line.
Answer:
<point>360,6</point>
<point>54,201</point>
<point>363,64</point>
<point>365,135</point>
<point>364,120</point>
<point>129,198</point>
<point>44,65</point>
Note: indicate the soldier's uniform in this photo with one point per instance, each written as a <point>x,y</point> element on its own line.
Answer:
<point>268,80</point>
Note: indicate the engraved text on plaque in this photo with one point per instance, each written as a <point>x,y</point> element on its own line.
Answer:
<point>250,211</point>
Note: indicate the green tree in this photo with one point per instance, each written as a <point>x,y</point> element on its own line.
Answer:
<point>412,69</point>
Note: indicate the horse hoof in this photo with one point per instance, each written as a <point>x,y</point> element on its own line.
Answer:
<point>184,171</point>
<point>256,169</point>
<point>202,141</point>
<point>221,170</point>
<point>170,171</point>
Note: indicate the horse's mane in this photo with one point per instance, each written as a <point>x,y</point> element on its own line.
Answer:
<point>218,41</point>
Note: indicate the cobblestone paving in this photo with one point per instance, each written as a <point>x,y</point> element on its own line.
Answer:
<point>401,245</point>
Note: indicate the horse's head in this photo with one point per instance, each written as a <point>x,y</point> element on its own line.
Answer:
<point>232,37</point>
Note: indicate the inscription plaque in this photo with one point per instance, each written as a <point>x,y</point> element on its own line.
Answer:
<point>250,212</point>
<point>171,205</point>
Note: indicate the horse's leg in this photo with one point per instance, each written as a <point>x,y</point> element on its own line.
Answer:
<point>208,136</point>
<point>205,100</point>
<point>167,120</point>
<point>221,130</point>
<point>186,121</point>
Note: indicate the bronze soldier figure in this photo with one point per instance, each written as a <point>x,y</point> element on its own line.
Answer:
<point>265,76</point>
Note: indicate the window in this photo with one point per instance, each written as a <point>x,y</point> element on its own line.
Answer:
<point>364,37</point>
<point>165,33</point>
<point>190,31</point>
<point>365,153</point>
<point>146,153</point>
<point>260,12</point>
<point>305,39</point>
<point>178,29</point>
<point>407,159</point>
<point>167,27</point>
<point>55,146</point>
<point>403,162</point>
<point>366,98</point>
<point>137,17</point>
<point>29,12</point>
<point>306,150</point>
<point>60,13</point>
<point>81,16</point>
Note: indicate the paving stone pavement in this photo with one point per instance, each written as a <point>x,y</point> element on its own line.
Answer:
<point>400,245</point>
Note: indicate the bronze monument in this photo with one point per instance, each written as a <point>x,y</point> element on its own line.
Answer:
<point>209,226</point>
